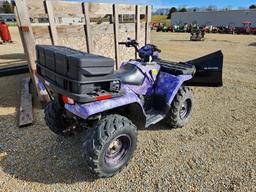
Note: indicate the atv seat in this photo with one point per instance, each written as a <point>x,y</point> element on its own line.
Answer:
<point>130,74</point>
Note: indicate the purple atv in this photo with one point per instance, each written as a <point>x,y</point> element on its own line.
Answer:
<point>88,94</point>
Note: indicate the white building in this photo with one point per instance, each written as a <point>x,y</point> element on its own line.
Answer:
<point>216,18</point>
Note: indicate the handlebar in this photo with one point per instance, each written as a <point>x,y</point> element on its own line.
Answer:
<point>130,43</point>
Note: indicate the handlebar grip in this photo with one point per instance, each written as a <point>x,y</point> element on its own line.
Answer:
<point>122,43</point>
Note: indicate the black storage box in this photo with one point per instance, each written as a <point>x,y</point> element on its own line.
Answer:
<point>74,73</point>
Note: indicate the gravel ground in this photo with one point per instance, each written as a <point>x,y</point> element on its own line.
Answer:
<point>12,54</point>
<point>214,152</point>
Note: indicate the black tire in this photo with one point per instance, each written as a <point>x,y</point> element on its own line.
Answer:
<point>97,150</point>
<point>55,120</point>
<point>181,108</point>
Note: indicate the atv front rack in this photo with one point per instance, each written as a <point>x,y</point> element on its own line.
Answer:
<point>176,68</point>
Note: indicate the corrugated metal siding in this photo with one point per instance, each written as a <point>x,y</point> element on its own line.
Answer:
<point>216,18</point>
<point>7,16</point>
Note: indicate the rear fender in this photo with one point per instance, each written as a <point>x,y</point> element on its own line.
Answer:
<point>88,109</point>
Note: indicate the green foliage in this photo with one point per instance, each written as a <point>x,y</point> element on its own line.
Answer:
<point>7,7</point>
<point>172,10</point>
<point>252,7</point>
<point>183,9</point>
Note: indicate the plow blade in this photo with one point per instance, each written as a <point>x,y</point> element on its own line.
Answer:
<point>208,71</point>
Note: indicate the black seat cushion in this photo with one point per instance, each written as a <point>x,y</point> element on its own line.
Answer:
<point>130,74</point>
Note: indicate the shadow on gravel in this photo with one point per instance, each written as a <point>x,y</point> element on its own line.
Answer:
<point>158,127</point>
<point>20,56</point>
<point>34,154</point>
<point>177,40</point>
<point>252,44</point>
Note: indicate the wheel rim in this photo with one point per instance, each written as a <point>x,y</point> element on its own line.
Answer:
<point>117,150</point>
<point>185,109</point>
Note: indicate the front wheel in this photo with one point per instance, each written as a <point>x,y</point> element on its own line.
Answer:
<point>110,145</point>
<point>181,108</point>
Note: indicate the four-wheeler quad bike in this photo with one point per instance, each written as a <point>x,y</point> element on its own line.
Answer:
<point>246,29</point>
<point>87,94</point>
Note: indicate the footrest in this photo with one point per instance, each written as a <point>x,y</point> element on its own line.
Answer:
<point>153,118</point>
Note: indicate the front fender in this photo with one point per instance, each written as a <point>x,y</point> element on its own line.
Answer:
<point>168,85</point>
<point>86,110</point>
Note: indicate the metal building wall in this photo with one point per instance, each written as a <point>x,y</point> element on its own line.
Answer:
<point>216,18</point>
<point>5,16</point>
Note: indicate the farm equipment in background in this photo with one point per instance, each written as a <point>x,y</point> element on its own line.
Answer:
<point>164,28</point>
<point>230,29</point>
<point>159,28</point>
<point>246,29</point>
<point>170,29</point>
<point>153,26</point>
<point>197,33</point>
<point>210,29</point>
<point>179,28</point>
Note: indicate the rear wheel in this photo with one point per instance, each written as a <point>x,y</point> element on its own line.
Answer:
<point>181,108</point>
<point>110,145</point>
<point>56,120</point>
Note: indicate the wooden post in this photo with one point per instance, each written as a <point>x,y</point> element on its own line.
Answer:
<point>87,28</point>
<point>116,34</point>
<point>137,26</point>
<point>148,20</point>
<point>26,107</point>
<point>53,29</point>
<point>19,28</point>
<point>28,42</point>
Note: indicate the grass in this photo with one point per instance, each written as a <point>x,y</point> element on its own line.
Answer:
<point>12,24</point>
<point>161,19</point>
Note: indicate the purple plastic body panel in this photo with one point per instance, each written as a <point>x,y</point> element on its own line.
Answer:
<point>86,110</point>
<point>168,85</point>
<point>41,85</point>
<point>159,83</point>
<point>146,87</point>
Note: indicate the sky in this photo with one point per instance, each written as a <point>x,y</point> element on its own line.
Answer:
<point>187,3</point>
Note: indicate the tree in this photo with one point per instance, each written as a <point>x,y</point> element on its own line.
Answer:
<point>252,7</point>
<point>172,10</point>
<point>183,9</point>
<point>7,7</point>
